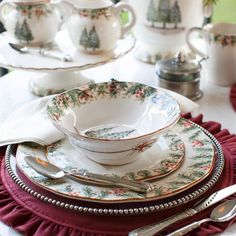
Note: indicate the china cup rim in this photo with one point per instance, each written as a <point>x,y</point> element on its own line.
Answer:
<point>79,136</point>
<point>212,29</point>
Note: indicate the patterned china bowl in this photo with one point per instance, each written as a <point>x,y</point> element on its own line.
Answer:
<point>112,122</point>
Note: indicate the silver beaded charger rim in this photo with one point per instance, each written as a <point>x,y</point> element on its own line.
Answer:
<point>125,211</point>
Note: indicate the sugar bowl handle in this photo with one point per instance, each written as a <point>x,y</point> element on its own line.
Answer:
<point>132,18</point>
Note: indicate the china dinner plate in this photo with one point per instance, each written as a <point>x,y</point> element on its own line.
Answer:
<point>160,160</point>
<point>12,59</point>
<point>121,209</point>
<point>197,165</point>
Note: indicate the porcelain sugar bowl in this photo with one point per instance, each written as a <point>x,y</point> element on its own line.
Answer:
<point>113,122</point>
<point>97,25</point>
<point>31,22</point>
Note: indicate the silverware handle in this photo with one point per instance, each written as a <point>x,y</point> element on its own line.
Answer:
<point>151,229</point>
<point>138,186</point>
<point>62,57</point>
<point>188,228</point>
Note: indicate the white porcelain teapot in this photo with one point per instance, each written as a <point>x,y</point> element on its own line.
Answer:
<point>32,22</point>
<point>96,26</point>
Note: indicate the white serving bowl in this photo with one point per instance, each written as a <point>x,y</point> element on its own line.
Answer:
<point>112,122</point>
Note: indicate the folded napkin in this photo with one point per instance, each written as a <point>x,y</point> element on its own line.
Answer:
<point>30,123</point>
<point>232,96</point>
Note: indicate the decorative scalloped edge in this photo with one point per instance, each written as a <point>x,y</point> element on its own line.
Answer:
<point>128,211</point>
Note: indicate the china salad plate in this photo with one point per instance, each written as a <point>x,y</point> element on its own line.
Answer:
<point>198,163</point>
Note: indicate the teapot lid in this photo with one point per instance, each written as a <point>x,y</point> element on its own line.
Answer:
<point>93,4</point>
<point>180,68</point>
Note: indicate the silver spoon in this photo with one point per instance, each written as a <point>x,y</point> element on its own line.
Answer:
<point>41,51</point>
<point>47,169</point>
<point>223,212</point>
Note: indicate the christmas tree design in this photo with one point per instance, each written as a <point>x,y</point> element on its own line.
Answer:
<point>18,31</point>
<point>94,41</point>
<point>168,16</point>
<point>84,39</point>
<point>175,15</point>
<point>163,12</point>
<point>89,40</point>
<point>23,32</point>
<point>151,13</point>
<point>107,133</point>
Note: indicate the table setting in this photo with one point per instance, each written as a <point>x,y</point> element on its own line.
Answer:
<point>117,150</point>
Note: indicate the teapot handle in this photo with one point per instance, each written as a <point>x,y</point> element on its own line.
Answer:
<point>117,11</point>
<point>4,4</point>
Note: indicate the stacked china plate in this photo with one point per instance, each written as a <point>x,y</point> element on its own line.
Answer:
<point>126,130</point>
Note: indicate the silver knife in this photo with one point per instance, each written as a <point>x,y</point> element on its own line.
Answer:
<point>214,198</point>
<point>40,51</point>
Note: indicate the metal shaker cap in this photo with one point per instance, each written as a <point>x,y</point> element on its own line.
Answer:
<point>178,69</point>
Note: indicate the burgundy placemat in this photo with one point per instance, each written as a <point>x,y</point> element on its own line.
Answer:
<point>232,96</point>
<point>33,217</point>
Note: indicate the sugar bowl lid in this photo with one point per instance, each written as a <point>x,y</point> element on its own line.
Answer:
<point>180,68</point>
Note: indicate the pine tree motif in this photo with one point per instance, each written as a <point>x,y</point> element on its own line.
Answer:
<point>175,14</point>
<point>26,32</point>
<point>88,191</point>
<point>23,32</point>
<point>105,133</point>
<point>98,133</point>
<point>89,40</point>
<point>84,39</point>
<point>152,13</point>
<point>18,31</point>
<point>94,41</point>
<point>163,12</point>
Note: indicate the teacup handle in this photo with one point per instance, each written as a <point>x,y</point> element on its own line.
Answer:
<point>117,11</point>
<point>4,4</point>
<point>191,45</point>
